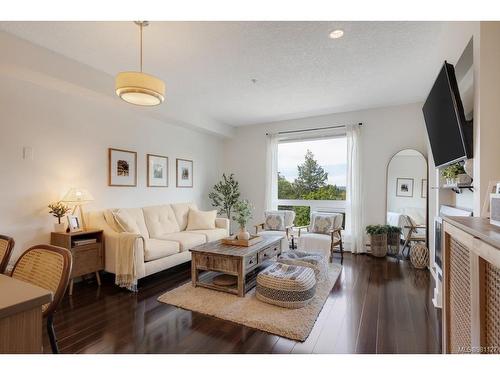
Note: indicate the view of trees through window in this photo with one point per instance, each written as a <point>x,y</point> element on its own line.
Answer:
<point>311,170</point>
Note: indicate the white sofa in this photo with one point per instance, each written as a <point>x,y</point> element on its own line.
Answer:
<point>163,240</point>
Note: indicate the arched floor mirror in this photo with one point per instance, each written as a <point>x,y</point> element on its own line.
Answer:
<point>407,197</point>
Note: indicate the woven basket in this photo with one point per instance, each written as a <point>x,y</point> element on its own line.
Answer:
<point>419,255</point>
<point>393,243</point>
<point>378,244</point>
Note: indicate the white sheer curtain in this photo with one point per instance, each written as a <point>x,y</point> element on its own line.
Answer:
<point>272,172</point>
<point>354,224</point>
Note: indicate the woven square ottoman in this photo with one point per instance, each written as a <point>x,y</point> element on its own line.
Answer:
<point>286,285</point>
<point>314,260</point>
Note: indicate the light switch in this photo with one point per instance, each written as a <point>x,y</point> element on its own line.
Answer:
<point>28,153</point>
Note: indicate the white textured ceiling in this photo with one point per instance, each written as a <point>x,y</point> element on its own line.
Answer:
<point>208,66</point>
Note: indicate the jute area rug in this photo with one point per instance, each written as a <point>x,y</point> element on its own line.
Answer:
<point>295,324</point>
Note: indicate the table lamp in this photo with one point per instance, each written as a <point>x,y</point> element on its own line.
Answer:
<point>78,197</point>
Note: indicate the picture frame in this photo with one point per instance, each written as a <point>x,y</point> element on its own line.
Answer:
<point>492,189</point>
<point>423,192</point>
<point>404,187</point>
<point>157,170</point>
<point>122,168</point>
<point>74,223</point>
<point>184,173</point>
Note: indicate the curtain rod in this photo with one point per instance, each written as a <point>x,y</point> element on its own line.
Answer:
<point>313,129</point>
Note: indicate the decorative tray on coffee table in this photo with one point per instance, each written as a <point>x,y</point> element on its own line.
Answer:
<point>235,242</point>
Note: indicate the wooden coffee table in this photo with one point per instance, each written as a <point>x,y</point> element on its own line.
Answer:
<point>243,262</point>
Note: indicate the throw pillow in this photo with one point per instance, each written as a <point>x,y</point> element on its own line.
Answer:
<point>201,219</point>
<point>275,221</point>
<point>322,224</point>
<point>125,221</point>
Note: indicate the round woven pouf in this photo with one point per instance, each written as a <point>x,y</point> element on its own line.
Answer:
<point>419,255</point>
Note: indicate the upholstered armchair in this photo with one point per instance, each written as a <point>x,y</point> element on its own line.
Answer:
<point>323,234</point>
<point>278,222</point>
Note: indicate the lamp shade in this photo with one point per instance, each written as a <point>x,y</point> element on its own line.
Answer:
<point>140,88</point>
<point>77,195</point>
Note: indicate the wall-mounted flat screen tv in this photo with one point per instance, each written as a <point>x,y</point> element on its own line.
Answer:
<point>450,135</point>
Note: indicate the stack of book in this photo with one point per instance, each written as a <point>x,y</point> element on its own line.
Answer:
<point>84,242</point>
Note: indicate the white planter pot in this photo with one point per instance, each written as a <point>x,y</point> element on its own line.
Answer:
<point>60,228</point>
<point>451,181</point>
<point>243,234</point>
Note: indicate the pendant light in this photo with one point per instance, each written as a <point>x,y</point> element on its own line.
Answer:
<point>137,87</point>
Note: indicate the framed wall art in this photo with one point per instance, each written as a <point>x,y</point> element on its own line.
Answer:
<point>157,170</point>
<point>184,173</point>
<point>404,187</point>
<point>122,167</point>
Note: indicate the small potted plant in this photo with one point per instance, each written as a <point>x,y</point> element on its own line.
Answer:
<point>378,240</point>
<point>393,237</point>
<point>243,210</point>
<point>455,175</point>
<point>59,210</point>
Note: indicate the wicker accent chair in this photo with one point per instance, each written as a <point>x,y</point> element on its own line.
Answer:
<point>6,246</point>
<point>48,267</point>
<point>289,218</point>
<point>311,240</point>
<point>414,233</point>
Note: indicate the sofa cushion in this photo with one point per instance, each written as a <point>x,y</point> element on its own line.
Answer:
<point>211,234</point>
<point>186,240</point>
<point>181,211</point>
<point>131,220</point>
<point>160,220</point>
<point>156,249</point>
<point>201,219</point>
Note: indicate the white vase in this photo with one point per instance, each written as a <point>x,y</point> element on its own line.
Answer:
<point>469,167</point>
<point>60,227</point>
<point>243,234</point>
<point>451,181</point>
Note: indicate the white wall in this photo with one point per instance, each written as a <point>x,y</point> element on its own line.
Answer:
<point>70,135</point>
<point>407,166</point>
<point>385,131</point>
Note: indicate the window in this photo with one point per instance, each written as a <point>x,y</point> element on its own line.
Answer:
<point>312,175</point>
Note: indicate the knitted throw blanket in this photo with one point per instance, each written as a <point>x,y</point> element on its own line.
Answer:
<point>125,261</point>
<point>126,270</point>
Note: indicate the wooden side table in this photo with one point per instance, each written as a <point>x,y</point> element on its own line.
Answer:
<point>87,258</point>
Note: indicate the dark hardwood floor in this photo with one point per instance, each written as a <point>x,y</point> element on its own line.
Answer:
<point>376,306</point>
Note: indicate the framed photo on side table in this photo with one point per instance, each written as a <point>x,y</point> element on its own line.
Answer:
<point>404,187</point>
<point>122,167</point>
<point>157,170</point>
<point>74,224</point>
<point>184,173</point>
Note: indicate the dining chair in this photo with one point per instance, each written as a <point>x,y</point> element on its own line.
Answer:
<point>48,267</point>
<point>6,246</point>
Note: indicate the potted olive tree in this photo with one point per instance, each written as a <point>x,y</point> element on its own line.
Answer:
<point>393,237</point>
<point>243,210</point>
<point>59,210</point>
<point>378,240</point>
<point>225,196</point>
